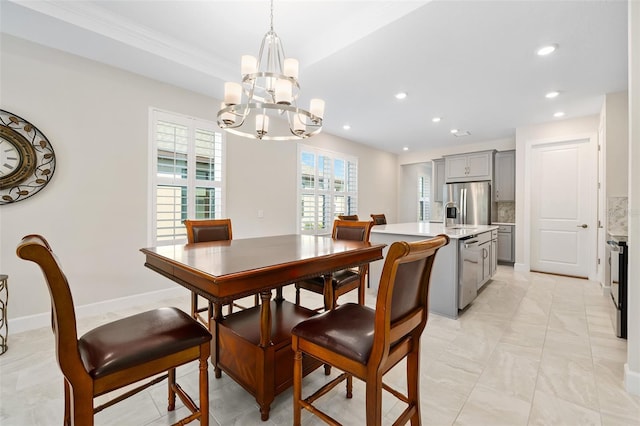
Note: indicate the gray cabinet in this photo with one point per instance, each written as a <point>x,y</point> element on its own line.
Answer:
<point>469,167</point>
<point>505,176</point>
<point>487,243</point>
<point>437,173</point>
<point>505,244</point>
<point>494,252</point>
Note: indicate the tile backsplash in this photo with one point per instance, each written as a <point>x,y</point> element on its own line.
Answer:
<point>506,212</point>
<point>437,214</point>
<point>617,211</point>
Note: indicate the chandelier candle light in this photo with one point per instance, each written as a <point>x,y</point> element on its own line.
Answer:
<point>270,84</point>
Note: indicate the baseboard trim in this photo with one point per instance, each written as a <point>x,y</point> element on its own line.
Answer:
<point>631,380</point>
<point>520,267</point>
<point>31,322</point>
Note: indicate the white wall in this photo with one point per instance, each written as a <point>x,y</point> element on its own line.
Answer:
<point>408,203</point>
<point>94,210</point>
<point>616,109</point>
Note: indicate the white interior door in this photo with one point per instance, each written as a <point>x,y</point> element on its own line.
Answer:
<point>563,208</point>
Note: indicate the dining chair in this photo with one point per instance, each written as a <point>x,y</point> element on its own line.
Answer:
<point>120,353</point>
<point>345,280</point>
<point>348,217</point>
<point>379,219</point>
<point>366,343</point>
<point>202,230</point>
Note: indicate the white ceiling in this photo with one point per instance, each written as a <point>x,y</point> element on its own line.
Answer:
<point>473,63</point>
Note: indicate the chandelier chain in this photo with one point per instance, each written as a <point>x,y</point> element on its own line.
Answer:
<point>271,17</point>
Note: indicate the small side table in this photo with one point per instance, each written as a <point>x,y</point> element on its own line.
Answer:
<point>4,301</point>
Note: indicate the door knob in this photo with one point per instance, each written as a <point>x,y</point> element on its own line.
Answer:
<point>584,225</point>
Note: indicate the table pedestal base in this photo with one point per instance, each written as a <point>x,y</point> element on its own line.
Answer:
<point>263,370</point>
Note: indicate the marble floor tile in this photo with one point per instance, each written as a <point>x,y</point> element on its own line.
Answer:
<point>532,349</point>
<point>548,409</point>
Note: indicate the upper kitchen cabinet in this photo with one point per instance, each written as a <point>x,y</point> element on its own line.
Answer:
<point>469,167</point>
<point>438,179</point>
<point>505,176</point>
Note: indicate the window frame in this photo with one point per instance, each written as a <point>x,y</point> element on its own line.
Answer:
<point>193,124</point>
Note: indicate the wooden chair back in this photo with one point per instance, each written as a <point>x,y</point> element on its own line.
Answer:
<point>201,230</point>
<point>348,217</point>
<point>63,317</point>
<point>379,219</point>
<point>403,296</point>
<point>351,230</point>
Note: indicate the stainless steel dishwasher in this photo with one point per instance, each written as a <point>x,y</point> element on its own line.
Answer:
<point>469,270</point>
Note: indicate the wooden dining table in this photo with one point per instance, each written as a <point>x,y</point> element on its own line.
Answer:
<point>253,346</point>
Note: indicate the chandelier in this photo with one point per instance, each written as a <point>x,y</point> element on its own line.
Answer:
<point>270,87</point>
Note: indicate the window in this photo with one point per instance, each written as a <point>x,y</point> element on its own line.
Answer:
<point>186,177</point>
<point>424,198</point>
<point>328,187</point>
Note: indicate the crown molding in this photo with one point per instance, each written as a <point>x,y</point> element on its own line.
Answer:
<point>106,24</point>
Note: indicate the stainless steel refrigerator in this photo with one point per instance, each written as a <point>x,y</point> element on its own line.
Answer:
<point>467,203</point>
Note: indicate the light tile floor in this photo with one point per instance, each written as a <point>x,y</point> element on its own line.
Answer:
<point>532,349</point>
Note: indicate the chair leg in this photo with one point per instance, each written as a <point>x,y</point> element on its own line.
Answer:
<point>413,387</point>
<point>374,400</point>
<point>230,310</point>
<point>204,387</point>
<point>171,400</point>
<point>297,387</point>
<point>210,312</point>
<point>349,386</point>
<point>194,305</point>
<point>67,404</point>
<point>81,405</point>
<point>297,295</point>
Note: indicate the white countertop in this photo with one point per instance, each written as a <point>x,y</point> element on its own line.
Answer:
<point>504,223</point>
<point>430,229</point>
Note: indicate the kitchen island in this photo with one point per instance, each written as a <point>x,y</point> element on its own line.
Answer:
<point>447,274</point>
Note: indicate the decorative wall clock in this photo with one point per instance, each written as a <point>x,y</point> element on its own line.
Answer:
<point>27,160</point>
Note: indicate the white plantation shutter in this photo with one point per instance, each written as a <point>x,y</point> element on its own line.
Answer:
<point>328,187</point>
<point>424,198</point>
<point>187,174</point>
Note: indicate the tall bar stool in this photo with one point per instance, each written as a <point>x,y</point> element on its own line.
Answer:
<point>365,343</point>
<point>120,353</point>
<point>345,280</point>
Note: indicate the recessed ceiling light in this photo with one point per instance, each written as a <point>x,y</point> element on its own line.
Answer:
<point>547,50</point>
<point>551,95</point>
<point>401,95</point>
<point>454,131</point>
<point>462,133</point>
<point>406,148</point>
<point>346,127</point>
<point>436,119</point>
<point>559,114</point>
